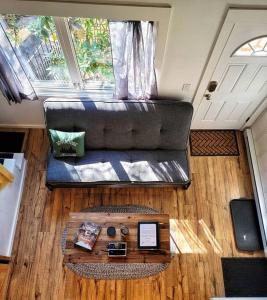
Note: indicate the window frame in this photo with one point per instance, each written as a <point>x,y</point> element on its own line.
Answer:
<point>65,40</point>
<point>158,14</point>
<point>76,82</point>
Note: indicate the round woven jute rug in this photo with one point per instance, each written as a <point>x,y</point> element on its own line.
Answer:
<point>115,270</point>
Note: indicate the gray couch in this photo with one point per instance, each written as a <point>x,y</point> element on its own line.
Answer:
<point>126,142</point>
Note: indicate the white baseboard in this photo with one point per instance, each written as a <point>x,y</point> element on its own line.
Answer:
<point>37,126</point>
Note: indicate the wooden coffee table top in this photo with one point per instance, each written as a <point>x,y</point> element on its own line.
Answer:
<point>74,254</point>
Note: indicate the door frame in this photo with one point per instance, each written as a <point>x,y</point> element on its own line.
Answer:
<point>233,15</point>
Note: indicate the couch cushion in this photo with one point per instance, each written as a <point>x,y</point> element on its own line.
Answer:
<point>67,143</point>
<point>107,167</point>
<point>123,125</point>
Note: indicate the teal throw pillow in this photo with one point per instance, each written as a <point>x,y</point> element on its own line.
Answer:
<point>67,143</point>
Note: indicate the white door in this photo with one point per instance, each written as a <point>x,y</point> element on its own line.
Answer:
<point>237,72</point>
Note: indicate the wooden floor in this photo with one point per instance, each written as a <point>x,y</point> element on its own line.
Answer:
<point>200,221</point>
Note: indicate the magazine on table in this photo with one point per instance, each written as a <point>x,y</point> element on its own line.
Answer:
<point>87,235</point>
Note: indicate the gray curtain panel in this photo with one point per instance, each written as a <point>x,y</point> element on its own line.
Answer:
<point>14,82</point>
<point>133,53</point>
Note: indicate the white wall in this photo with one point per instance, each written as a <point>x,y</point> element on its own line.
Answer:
<point>259,131</point>
<point>193,27</point>
<point>26,114</point>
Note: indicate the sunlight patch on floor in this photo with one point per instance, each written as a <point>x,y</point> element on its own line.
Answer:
<point>214,243</point>
<point>185,240</point>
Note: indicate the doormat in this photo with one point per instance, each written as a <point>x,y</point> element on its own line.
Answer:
<point>245,277</point>
<point>12,141</point>
<point>213,143</point>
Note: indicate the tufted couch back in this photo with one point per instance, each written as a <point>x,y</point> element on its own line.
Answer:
<point>127,124</point>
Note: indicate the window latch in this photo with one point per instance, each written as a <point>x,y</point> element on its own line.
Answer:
<point>78,85</point>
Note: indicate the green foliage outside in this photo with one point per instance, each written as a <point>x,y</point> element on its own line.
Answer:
<point>44,28</point>
<point>91,42</point>
<point>13,28</point>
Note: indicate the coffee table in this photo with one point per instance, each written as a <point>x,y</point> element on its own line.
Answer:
<point>99,254</point>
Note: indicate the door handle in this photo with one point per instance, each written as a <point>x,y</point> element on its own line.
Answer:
<point>212,86</point>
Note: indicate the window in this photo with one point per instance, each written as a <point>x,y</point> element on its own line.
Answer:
<point>255,47</point>
<point>62,53</point>
<point>92,46</point>
<point>36,44</point>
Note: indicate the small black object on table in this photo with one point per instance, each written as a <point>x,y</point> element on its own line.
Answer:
<point>111,231</point>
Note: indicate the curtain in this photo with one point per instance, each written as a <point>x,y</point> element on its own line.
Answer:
<point>133,52</point>
<point>14,82</point>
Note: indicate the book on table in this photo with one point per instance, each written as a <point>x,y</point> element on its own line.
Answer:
<point>87,235</point>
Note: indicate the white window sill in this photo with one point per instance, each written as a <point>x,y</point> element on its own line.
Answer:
<point>94,91</point>
<point>74,93</point>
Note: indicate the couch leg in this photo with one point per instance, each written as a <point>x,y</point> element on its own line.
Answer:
<point>186,186</point>
<point>50,187</point>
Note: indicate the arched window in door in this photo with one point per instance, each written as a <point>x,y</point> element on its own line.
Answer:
<point>255,47</point>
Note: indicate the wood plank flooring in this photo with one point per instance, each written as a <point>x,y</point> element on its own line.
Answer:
<point>200,222</point>
<point>3,278</point>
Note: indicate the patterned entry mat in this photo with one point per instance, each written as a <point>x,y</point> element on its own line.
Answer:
<point>213,143</point>
<point>115,270</point>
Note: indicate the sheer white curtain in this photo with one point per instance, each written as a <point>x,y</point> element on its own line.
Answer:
<point>14,82</point>
<point>133,52</point>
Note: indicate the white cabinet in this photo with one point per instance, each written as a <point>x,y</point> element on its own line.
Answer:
<point>10,198</point>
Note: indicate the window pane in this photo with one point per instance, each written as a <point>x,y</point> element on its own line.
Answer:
<point>258,44</point>
<point>256,47</point>
<point>245,50</point>
<point>93,50</point>
<point>36,43</point>
<point>260,53</point>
